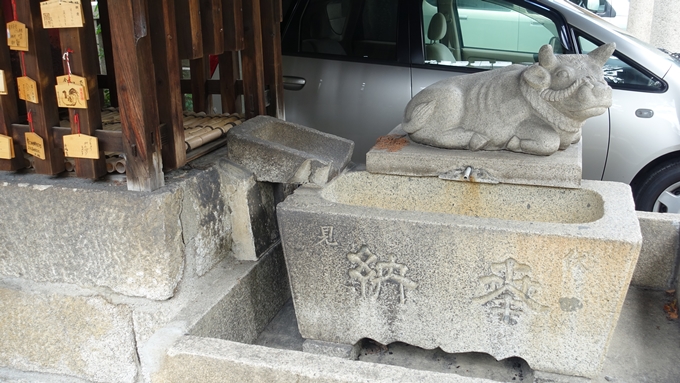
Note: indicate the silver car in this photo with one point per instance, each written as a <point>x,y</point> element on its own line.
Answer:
<point>351,66</point>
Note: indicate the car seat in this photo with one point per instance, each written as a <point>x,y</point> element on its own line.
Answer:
<point>326,28</point>
<point>435,32</point>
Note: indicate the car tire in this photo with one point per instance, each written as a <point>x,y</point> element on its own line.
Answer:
<point>660,191</point>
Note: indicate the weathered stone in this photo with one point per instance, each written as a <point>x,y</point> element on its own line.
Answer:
<point>398,154</point>
<point>336,350</point>
<point>91,235</point>
<point>85,337</point>
<point>283,152</point>
<point>538,273</point>
<point>656,266</point>
<point>253,213</point>
<point>536,110</point>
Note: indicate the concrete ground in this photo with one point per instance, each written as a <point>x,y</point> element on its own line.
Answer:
<point>645,347</point>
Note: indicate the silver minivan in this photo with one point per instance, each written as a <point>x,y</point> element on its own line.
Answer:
<point>351,66</point>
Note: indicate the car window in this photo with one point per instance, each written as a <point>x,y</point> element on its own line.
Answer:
<point>620,74</point>
<point>484,33</point>
<point>362,29</point>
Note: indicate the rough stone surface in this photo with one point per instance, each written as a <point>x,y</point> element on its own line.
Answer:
<point>85,337</point>
<point>398,154</point>
<point>538,273</point>
<point>201,360</point>
<point>283,152</point>
<point>536,110</point>
<point>336,350</point>
<point>657,265</point>
<point>91,235</point>
<point>253,213</point>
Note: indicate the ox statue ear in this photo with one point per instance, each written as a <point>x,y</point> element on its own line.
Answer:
<point>602,53</point>
<point>537,76</point>
<point>546,57</point>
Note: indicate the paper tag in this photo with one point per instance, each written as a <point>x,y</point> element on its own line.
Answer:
<point>62,14</point>
<point>35,145</point>
<point>6,147</point>
<point>28,89</point>
<point>82,81</point>
<point>17,36</point>
<point>71,95</point>
<point>3,83</point>
<point>81,146</point>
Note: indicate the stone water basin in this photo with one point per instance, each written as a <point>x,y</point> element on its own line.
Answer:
<point>534,272</point>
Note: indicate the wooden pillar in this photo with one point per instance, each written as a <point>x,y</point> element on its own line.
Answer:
<point>232,19</point>
<point>136,93</point>
<point>189,34</point>
<point>8,103</point>
<point>168,90</point>
<point>228,75</point>
<point>199,94</point>
<point>38,63</point>
<point>84,63</point>
<point>104,20</point>
<point>213,29</point>
<point>252,60</point>
<point>271,49</point>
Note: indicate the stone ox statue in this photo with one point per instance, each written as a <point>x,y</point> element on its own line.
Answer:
<point>536,109</point>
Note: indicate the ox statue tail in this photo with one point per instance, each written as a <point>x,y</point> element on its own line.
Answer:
<point>417,115</point>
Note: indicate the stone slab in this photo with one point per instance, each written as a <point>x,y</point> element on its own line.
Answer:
<point>336,350</point>
<point>509,270</point>
<point>397,154</point>
<point>84,337</point>
<point>283,152</point>
<point>657,265</point>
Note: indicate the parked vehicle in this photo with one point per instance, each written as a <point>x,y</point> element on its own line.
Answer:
<point>614,11</point>
<point>351,66</point>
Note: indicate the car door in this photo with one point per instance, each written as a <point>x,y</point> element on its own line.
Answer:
<point>489,34</point>
<point>346,68</point>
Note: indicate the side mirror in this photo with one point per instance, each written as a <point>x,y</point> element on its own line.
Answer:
<point>593,5</point>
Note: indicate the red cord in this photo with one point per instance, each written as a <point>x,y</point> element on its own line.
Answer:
<point>14,9</point>
<point>30,120</point>
<point>76,120</point>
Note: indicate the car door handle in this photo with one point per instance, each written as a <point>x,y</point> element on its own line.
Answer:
<point>293,83</point>
<point>644,113</point>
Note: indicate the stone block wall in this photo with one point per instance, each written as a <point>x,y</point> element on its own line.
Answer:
<point>90,271</point>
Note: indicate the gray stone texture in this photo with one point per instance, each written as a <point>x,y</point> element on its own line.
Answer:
<point>538,273</point>
<point>656,22</point>
<point>657,265</point>
<point>402,156</point>
<point>202,360</point>
<point>535,110</point>
<point>283,152</point>
<point>84,337</point>
<point>336,350</point>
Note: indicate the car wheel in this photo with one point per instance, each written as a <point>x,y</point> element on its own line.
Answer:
<point>660,191</point>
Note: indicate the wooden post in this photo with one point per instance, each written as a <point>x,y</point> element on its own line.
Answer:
<point>271,49</point>
<point>38,63</point>
<point>8,103</point>
<point>252,60</point>
<point>232,19</point>
<point>136,94</point>
<point>213,30</point>
<point>108,50</point>
<point>228,75</point>
<point>84,63</point>
<point>168,90</point>
<point>189,34</point>
<point>199,95</point>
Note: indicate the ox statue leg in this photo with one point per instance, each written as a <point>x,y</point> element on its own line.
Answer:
<point>534,138</point>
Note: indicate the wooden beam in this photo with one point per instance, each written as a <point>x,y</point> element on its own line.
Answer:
<point>271,49</point>
<point>104,20</point>
<point>38,63</point>
<point>252,60</point>
<point>212,27</point>
<point>168,89</point>
<point>8,103</point>
<point>228,76</point>
<point>136,90</point>
<point>189,34</point>
<point>199,94</point>
<point>232,19</point>
<point>83,62</point>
